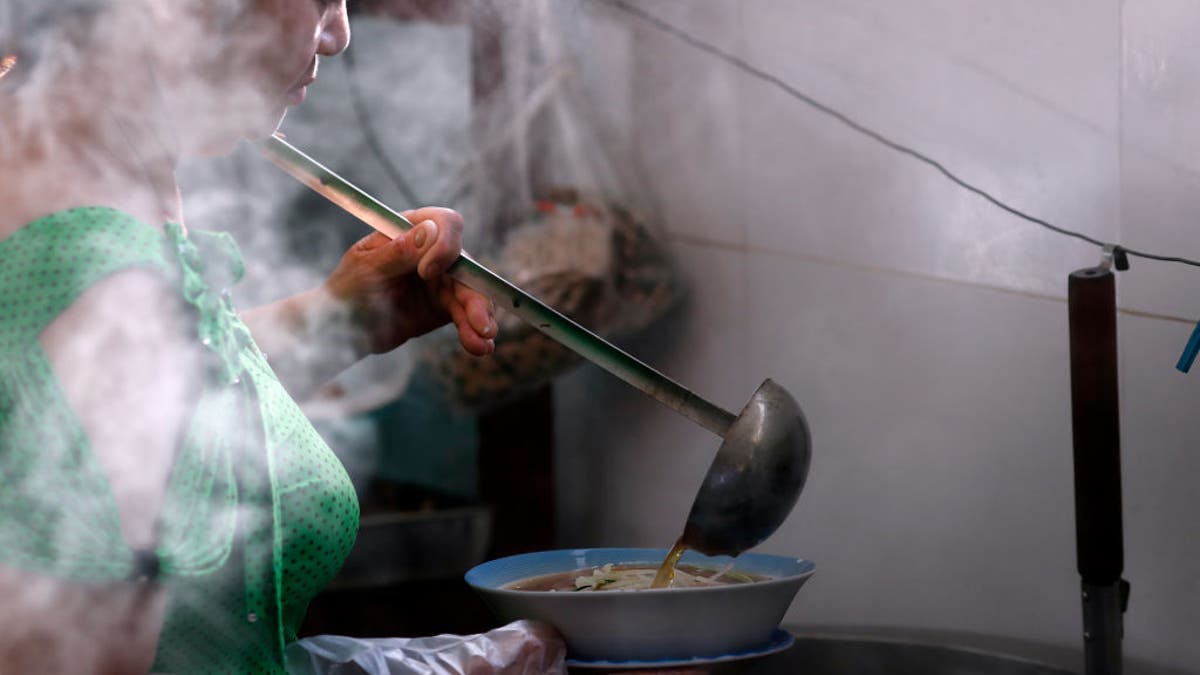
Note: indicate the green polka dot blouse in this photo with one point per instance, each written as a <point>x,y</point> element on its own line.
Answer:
<point>259,513</point>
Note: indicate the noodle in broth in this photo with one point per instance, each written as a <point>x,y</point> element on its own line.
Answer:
<point>631,578</point>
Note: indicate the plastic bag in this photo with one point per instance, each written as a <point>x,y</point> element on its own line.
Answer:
<point>596,263</point>
<point>552,181</point>
<point>520,648</point>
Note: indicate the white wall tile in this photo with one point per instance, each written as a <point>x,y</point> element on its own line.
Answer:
<point>923,330</point>
<point>687,135</point>
<point>639,462</point>
<point>1161,68</point>
<point>1161,207</point>
<point>1159,461</point>
<point>1160,181</point>
<point>940,493</point>
<point>813,185</point>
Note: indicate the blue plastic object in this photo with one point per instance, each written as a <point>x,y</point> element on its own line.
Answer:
<point>1190,351</point>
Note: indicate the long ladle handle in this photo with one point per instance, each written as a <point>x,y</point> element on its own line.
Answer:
<point>475,276</point>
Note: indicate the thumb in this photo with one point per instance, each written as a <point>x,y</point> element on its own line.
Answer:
<point>370,242</point>
<point>401,255</point>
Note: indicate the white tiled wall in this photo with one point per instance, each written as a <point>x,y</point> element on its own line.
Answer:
<point>923,330</point>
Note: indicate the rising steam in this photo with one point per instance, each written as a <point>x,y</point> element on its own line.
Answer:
<point>114,88</point>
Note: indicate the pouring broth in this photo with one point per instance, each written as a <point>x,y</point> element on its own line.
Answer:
<point>666,571</point>
<point>632,578</point>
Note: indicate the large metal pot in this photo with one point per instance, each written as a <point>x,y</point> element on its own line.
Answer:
<point>853,655</point>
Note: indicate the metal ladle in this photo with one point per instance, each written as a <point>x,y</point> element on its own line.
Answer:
<point>758,472</point>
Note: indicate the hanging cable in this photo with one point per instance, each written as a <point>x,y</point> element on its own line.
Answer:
<point>758,73</point>
<point>359,104</point>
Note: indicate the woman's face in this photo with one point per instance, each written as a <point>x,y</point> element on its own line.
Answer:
<point>254,66</point>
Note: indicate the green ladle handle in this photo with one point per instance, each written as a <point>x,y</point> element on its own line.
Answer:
<point>479,278</point>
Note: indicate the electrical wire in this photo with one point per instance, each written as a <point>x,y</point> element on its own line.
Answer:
<point>754,71</point>
<point>358,102</point>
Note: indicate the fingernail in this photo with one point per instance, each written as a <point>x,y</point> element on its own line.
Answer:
<point>491,346</point>
<point>425,232</point>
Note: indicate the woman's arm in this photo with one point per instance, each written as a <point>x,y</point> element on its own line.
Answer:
<point>382,293</point>
<point>308,338</point>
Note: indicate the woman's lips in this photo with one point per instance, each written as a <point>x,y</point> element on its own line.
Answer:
<point>296,95</point>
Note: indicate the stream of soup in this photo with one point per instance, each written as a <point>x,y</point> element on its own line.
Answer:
<point>666,571</point>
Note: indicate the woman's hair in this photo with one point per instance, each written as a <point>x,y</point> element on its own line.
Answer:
<point>40,32</point>
<point>46,35</point>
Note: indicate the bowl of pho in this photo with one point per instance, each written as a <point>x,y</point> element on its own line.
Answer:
<point>602,602</point>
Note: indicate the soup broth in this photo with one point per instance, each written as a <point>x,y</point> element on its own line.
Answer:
<point>666,572</point>
<point>631,578</point>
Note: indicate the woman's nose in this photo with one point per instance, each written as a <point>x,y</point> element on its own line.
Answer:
<point>335,31</point>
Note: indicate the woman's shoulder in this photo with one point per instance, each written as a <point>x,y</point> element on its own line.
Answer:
<point>78,228</point>
<point>47,264</point>
<point>76,246</point>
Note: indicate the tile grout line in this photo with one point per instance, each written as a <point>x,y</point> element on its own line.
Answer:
<point>738,84</point>
<point>746,249</point>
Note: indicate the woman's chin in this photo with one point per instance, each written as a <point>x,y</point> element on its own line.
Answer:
<point>269,126</point>
<point>264,131</point>
<point>224,143</point>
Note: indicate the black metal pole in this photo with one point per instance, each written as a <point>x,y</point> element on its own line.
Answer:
<point>1097,441</point>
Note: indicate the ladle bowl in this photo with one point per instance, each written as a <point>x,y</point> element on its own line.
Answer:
<point>762,464</point>
<point>755,478</point>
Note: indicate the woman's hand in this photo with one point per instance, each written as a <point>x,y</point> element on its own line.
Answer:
<point>519,648</point>
<point>382,293</point>
<point>396,289</point>
<point>516,649</point>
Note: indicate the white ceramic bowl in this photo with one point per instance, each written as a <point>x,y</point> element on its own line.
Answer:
<point>649,625</point>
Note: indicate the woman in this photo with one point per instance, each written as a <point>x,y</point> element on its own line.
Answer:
<point>163,503</point>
